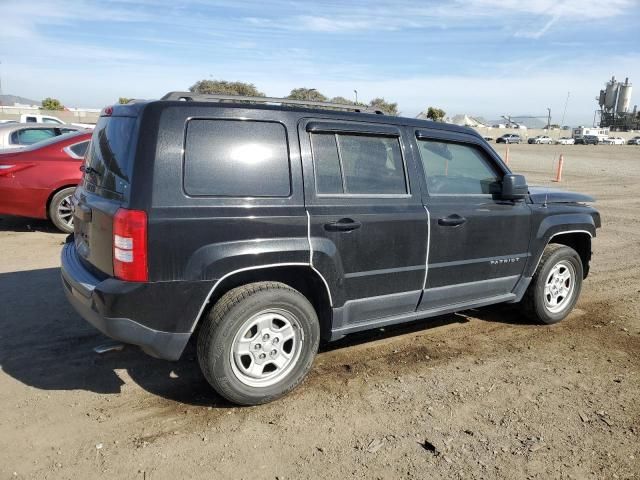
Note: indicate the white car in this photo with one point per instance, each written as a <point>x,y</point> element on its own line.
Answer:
<point>540,139</point>
<point>36,118</point>
<point>613,141</point>
<point>565,141</point>
<point>20,135</point>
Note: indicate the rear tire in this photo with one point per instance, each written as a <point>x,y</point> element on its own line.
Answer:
<point>258,342</point>
<point>555,287</point>
<point>60,212</point>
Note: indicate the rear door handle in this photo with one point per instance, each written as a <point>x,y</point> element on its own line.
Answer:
<point>342,225</point>
<point>452,220</point>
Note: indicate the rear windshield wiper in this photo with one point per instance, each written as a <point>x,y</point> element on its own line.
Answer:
<point>90,170</point>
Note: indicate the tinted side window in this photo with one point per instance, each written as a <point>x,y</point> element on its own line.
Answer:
<point>236,159</point>
<point>452,168</point>
<point>80,148</point>
<point>326,163</point>
<point>29,136</point>
<point>358,164</point>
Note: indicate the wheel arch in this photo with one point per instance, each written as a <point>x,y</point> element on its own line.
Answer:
<point>52,194</point>
<point>580,241</point>
<point>301,277</point>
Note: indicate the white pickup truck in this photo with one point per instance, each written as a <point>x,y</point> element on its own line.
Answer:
<point>36,118</point>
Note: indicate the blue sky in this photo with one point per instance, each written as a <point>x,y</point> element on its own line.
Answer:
<point>480,57</point>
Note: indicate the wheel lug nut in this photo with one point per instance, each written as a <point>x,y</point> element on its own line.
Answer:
<point>257,346</point>
<point>276,340</point>
<point>262,356</point>
<point>265,337</point>
<point>274,353</point>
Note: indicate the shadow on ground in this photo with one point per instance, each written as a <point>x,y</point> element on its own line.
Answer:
<point>46,345</point>
<point>21,224</point>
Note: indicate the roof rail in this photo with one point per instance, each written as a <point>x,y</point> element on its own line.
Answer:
<point>205,97</point>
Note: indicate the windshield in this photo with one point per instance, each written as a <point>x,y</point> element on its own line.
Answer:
<point>110,152</point>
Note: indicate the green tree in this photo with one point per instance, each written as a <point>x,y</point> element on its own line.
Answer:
<point>342,101</point>
<point>436,114</point>
<point>51,104</point>
<point>387,107</point>
<point>123,100</point>
<point>307,94</point>
<point>223,87</point>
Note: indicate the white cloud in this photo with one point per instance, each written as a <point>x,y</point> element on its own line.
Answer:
<point>170,48</point>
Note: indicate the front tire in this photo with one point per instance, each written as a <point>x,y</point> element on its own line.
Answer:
<point>258,342</point>
<point>60,212</point>
<point>556,285</point>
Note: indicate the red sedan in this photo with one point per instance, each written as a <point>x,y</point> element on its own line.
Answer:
<point>38,181</point>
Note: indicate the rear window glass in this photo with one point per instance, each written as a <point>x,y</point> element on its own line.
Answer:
<point>110,152</point>
<point>236,158</point>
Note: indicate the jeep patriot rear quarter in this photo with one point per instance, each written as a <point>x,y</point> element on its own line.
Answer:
<point>272,227</point>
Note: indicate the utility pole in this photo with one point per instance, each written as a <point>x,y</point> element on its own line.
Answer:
<point>549,119</point>
<point>0,77</point>
<point>356,92</point>
<point>566,102</point>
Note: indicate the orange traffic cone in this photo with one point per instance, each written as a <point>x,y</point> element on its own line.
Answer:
<point>559,171</point>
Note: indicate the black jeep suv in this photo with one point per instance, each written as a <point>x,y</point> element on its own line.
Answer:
<point>264,228</point>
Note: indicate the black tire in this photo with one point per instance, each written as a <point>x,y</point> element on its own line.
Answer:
<point>57,211</point>
<point>534,305</point>
<point>223,324</point>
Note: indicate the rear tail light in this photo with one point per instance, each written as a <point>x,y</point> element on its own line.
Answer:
<point>130,245</point>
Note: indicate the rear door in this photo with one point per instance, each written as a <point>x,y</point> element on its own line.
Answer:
<point>479,243</point>
<point>368,228</point>
<point>105,187</point>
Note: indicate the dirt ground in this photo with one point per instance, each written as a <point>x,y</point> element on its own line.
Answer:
<point>481,394</point>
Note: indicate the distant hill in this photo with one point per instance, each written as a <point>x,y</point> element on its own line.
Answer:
<point>9,100</point>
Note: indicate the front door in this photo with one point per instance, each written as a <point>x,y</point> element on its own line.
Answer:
<point>478,243</point>
<point>368,227</point>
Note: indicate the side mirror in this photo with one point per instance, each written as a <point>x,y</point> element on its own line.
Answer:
<point>514,187</point>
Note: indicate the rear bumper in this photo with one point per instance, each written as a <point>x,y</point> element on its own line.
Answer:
<point>87,294</point>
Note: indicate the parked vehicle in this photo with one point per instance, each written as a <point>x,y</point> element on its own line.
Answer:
<point>20,135</point>
<point>600,132</point>
<point>264,228</point>
<point>540,139</point>
<point>613,141</point>
<point>37,118</point>
<point>509,138</point>
<point>634,141</point>
<point>587,140</point>
<point>37,181</point>
<point>565,141</point>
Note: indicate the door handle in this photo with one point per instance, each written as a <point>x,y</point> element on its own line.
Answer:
<point>452,220</point>
<point>342,225</point>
